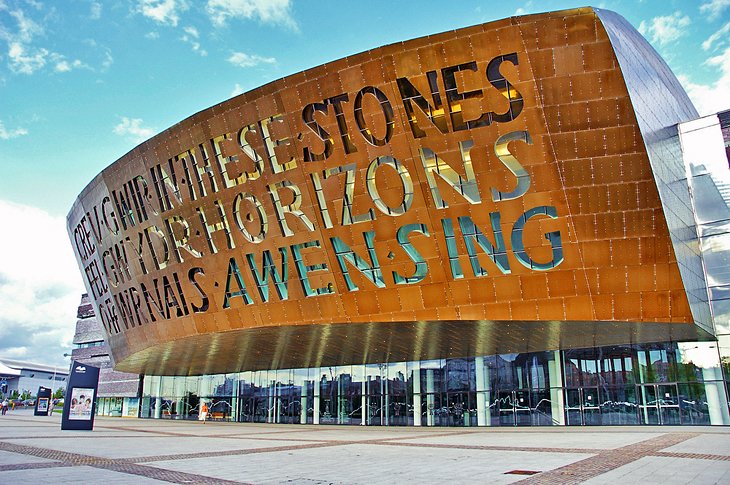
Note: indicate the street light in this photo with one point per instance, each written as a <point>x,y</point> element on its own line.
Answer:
<point>53,388</point>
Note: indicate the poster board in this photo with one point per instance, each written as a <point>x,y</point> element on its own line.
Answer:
<point>79,405</point>
<point>42,402</point>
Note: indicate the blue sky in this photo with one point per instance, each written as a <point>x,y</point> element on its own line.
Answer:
<point>84,81</point>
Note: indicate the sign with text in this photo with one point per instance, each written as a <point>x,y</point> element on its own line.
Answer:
<point>79,406</point>
<point>42,402</point>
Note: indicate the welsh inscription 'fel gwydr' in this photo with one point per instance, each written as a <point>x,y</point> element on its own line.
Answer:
<point>144,244</point>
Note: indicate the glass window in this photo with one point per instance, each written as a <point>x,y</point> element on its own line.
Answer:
<point>432,376</point>
<point>460,375</point>
<point>656,363</point>
<point>168,386</point>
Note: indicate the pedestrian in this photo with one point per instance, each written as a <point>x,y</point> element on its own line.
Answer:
<point>5,406</point>
<point>50,407</point>
<point>203,412</point>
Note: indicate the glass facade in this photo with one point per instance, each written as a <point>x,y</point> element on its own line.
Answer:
<point>621,385</point>
<point>705,144</point>
<point>127,407</point>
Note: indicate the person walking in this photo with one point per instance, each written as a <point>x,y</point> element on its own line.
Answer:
<point>5,406</point>
<point>203,412</point>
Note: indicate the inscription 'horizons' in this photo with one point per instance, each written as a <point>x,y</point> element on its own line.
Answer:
<point>134,247</point>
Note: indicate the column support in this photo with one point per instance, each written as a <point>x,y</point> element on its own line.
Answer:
<point>158,399</point>
<point>716,396</point>
<point>315,412</point>
<point>417,393</point>
<point>557,396</point>
<point>482,377</point>
<point>303,411</point>
<point>429,397</point>
<point>364,411</point>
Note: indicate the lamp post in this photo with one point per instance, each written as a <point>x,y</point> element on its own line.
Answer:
<point>53,393</point>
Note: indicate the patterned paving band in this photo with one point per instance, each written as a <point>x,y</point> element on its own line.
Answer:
<point>605,461</point>
<point>601,461</point>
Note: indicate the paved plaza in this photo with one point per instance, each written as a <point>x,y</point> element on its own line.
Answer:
<point>34,449</point>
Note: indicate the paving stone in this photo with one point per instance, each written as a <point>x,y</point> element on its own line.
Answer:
<point>154,451</point>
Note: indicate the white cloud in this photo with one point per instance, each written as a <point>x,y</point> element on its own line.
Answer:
<point>26,60</point>
<point>276,12</point>
<point>95,12</point>
<point>132,128</point>
<point>163,11</point>
<point>665,29</point>
<point>108,60</point>
<point>152,35</point>
<point>241,59</point>
<point>36,5</point>
<point>23,56</point>
<point>40,285</point>
<point>714,8</point>
<point>720,35</point>
<point>27,28</point>
<point>191,37</point>
<point>6,134</point>
<point>711,98</point>
<point>524,10</point>
<point>63,65</point>
<point>15,352</point>
<point>237,89</point>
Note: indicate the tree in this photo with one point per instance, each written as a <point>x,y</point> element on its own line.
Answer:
<point>59,393</point>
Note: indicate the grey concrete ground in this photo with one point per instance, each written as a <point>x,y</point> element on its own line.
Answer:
<point>34,449</point>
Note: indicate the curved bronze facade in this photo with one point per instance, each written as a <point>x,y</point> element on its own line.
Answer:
<point>486,189</point>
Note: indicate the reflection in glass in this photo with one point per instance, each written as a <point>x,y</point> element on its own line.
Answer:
<point>669,383</point>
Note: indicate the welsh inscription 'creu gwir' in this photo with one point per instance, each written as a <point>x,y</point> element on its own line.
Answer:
<point>378,205</point>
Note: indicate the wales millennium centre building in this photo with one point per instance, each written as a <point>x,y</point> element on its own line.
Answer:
<point>518,223</point>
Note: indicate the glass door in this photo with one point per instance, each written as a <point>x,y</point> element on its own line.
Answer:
<point>659,404</point>
<point>514,408</point>
<point>523,411</point>
<point>506,406</point>
<point>582,406</point>
<point>591,409</point>
<point>375,410</point>
<point>668,404</point>
<point>573,413</point>
<point>457,408</point>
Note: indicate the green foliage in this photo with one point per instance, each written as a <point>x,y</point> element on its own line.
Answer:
<point>59,393</point>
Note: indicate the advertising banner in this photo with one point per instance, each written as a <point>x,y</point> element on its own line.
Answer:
<point>82,399</point>
<point>42,402</point>
<point>79,406</point>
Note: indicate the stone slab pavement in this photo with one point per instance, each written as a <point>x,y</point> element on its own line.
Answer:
<point>140,451</point>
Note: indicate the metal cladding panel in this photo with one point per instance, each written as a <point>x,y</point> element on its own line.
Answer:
<point>660,104</point>
<point>468,192</point>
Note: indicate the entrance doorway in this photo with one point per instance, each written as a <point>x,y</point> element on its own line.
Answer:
<point>659,404</point>
<point>514,408</point>
<point>582,406</point>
